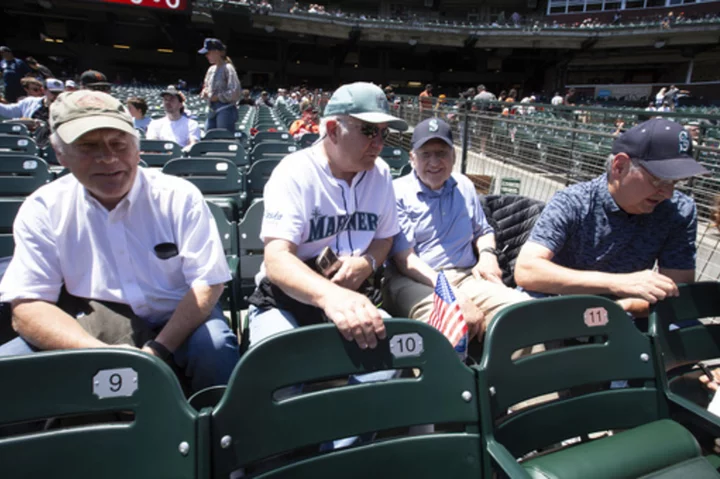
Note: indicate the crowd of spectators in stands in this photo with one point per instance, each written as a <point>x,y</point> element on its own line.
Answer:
<point>514,20</point>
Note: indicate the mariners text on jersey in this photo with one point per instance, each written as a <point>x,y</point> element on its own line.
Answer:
<point>322,226</point>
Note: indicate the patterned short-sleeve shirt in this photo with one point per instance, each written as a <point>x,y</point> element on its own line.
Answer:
<point>586,230</point>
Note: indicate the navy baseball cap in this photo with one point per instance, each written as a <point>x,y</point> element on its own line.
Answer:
<point>662,147</point>
<point>211,44</point>
<point>431,129</point>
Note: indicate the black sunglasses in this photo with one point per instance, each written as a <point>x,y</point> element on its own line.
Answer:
<point>371,131</point>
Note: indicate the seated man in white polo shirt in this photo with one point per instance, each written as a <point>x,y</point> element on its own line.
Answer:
<point>175,125</point>
<point>114,255</point>
<point>337,194</point>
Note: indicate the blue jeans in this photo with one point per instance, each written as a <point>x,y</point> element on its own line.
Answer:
<point>207,357</point>
<point>264,323</point>
<point>225,118</point>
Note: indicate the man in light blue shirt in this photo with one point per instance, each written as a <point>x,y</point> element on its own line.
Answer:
<point>443,228</point>
<point>36,107</point>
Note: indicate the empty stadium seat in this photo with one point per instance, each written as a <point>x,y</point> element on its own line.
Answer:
<point>308,139</point>
<point>228,235</point>
<point>251,250</point>
<point>218,179</point>
<point>250,433</point>
<point>135,405</point>
<point>273,137</point>
<point>681,341</point>
<point>272,151</point>
<point>158,152</point>
<point>231,150</point>
<point>395,157</point>
<point>257,176</point>
<point>20,175</point>
<point>10,128</point>
<point>17,145</point>
<point>615,350</point>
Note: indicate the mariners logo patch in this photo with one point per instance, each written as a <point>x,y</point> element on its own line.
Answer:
<point>684,141</point>
<point>434,126</point>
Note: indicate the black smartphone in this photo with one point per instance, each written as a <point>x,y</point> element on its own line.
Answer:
<point>326,260</point>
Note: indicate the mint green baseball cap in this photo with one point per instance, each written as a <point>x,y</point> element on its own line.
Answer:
<point>364,101</point>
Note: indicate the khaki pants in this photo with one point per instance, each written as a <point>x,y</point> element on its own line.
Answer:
<point>404,297</point>
<point>111,323</point>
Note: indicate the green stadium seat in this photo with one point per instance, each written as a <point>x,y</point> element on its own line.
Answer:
<point>257,176</point>
<point>231,150</point>
<point>219,134</point>
<point>158,152</point>
<point>17,145</point>
<point>509,186</point>
<point>273,137</point>
<point>10,128</point>
<point>8,211</point>
<point>614,350</point>
<point>307,139</point>
<point>159,441</point>
<point>228,235</point>
<point>681,341</point>
<point>272,151</point>
<point>395,157</point>
<point>405,170</point>
<point>48,154</point>
<point>251,250</point>
<point>218,179</point>
<point>252,428</point>
<point>20,175</point>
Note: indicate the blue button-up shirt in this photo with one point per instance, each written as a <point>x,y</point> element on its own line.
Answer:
<point>586,230</point>
<point>440,225</point>
<point>22,109</point>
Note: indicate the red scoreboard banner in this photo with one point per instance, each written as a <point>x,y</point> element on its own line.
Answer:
<point>174,5</point>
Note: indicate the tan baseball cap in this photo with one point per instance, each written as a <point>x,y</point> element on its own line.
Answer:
<point>73,114</point>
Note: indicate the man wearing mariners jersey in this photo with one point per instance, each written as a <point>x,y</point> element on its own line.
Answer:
<point>336,194</point>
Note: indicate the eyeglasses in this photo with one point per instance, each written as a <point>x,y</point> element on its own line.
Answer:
<point>372,131</point>
<point>657,182</point>
<point>35,90</point>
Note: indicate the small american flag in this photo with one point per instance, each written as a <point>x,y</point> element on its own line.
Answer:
<point>446,315</point>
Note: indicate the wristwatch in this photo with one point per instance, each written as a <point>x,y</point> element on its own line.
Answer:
<point>488,250</point>
<point>159,349</point>
<point>373,262</point>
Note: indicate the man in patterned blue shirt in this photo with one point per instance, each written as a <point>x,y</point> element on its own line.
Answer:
<point>443,228</point>
<point>605,236</point>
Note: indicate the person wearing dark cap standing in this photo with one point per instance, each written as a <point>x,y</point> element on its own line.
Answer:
<point>221,86</point>
<point>604,236</point>
<point>39,71</point>
<point>94,80</point>
<point>443,228</point>
<point>13,70</point>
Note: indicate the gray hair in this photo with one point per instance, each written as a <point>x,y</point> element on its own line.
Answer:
<point>60,146</point>
<point>609,162</point>
<point>323,124</point>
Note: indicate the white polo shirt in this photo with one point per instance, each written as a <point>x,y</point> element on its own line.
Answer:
<point>306,205</point>
<point>181,131</point>
<point>65,236</point>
